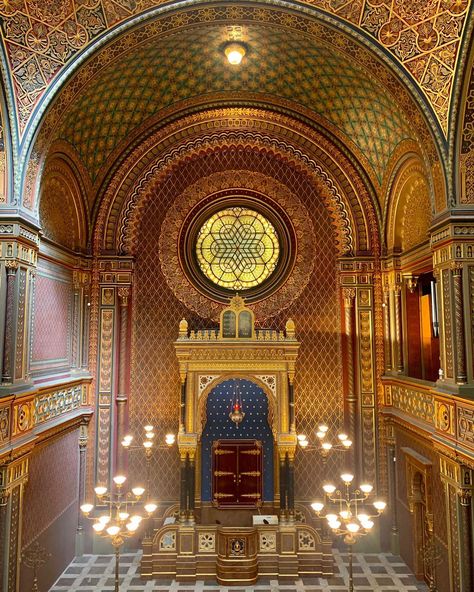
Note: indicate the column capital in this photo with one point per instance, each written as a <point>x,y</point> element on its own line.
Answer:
<point>124,295</point>
<point>349,295</point>
<point>11,266</point>
<point>456,267</point>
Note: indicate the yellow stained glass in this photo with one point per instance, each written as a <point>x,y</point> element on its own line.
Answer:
<point>237,248</point>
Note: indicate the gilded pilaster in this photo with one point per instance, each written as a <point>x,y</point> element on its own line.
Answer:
<point>397,304</point>
<point>13,478</point>
<point>386,330</point>
<point>10,323</point>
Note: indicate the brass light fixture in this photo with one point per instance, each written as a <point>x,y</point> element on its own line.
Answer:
<point>234,52</point>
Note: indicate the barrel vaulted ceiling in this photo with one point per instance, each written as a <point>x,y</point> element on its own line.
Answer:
<point>41,38</point>
<point>188,63</point>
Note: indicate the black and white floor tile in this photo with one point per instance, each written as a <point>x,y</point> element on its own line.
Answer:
<point>372,573</point>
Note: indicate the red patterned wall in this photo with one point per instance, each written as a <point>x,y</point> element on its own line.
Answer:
<point>52,485</point>
<point>52,317</point>
<point>157,312</point>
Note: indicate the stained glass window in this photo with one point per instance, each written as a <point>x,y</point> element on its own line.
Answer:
<point>237,248</point>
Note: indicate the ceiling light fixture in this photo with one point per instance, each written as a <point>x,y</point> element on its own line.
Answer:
<point>234,53</point>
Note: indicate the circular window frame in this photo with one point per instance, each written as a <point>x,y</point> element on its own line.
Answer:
<point>227,199</point>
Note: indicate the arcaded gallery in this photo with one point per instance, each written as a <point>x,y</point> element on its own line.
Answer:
<point>237,296</point>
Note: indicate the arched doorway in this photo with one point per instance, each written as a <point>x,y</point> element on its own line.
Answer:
<point>254,428</point>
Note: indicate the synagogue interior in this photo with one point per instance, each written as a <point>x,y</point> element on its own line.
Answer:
<point>236,293</point>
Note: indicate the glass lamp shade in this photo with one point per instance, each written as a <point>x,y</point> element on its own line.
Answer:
<point>331,517</point>
<point>132,526</point>
<point>123,516</point>
<point>138,491</point>
<point>323,428</point>
<point>136,518</point>
<point>353,527</point>
<point>234,53</point>
<point>105,519</point>
<point>326,445</point>
<point>380,506</point>
<point>342,437</point>
<point>317,506</point>
<point>366,487</point>
<point>113,530</point>
<point>98,526</point>
<point>87,508</point>
<point>347,443</point>
<point>303,443</point>
<point>347,478</point>
<point>119,479</point>
<point>100,490</point>
<point>329,488</point>
<point>320,435</point>
<point>148,444</point>
<point>334,525</point>
<point>150,508</point>
<point>148,428</point>
<point>170,439</point>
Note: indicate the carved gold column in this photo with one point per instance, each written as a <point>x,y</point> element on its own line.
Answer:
<point>183,501</point>
<point>4,494</point>
<point>460,364</point>
<point>392,487</point>
<point>191,484</point>
<point>466,525</point>
<point>86,307</point>
<point>397,299</point>
<point>291,484</point>
<point>81,487</point>
<point>9,331</point>
<point>386,330</point>
<point>283,486</point>
<point>122,396</point>
<point>349,297</point>
<point>13,478</point>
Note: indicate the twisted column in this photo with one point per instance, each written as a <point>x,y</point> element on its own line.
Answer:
<point>81,497</point>
<point>467,558</point>
<point>122,396</point>
<point>460,363</point>
<point>8,339</point>
<point>386,330</point>
<point>349,297</point>
<point>398,327</point>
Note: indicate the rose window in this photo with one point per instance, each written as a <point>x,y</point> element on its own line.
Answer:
<point>237,248</point>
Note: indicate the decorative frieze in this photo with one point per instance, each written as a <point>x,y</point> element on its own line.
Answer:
<point>414,402</point>
<point>50,405</point>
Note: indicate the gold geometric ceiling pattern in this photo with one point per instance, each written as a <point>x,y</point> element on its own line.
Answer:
<point>189,63</point>
<point>42,36</point>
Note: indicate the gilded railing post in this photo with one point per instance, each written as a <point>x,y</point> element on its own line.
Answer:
<point>122,396</point>
<point>460,365</point>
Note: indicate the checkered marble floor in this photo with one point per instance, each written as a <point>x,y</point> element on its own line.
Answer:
<point>372,573</point>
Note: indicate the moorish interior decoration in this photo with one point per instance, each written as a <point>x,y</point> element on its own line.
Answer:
<point>245,226</point>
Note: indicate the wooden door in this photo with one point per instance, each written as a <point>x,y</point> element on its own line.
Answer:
<point>237,473</point>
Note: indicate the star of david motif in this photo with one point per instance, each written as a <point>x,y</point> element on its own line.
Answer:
<point>239,248</point>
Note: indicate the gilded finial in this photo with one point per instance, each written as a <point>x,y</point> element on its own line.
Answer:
<point>290,328</point>
<point>183,328</point>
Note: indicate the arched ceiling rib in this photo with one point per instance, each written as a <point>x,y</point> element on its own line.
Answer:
<point>41,38</point>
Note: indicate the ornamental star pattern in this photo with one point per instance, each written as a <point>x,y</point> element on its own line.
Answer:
<point>237,248</point>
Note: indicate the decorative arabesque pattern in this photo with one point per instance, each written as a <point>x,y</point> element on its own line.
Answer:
<point>155,382</point>
<point>237,248</point>
<point>42,37</point>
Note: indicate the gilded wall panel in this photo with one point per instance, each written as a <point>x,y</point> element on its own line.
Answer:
<point>155,382</point>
